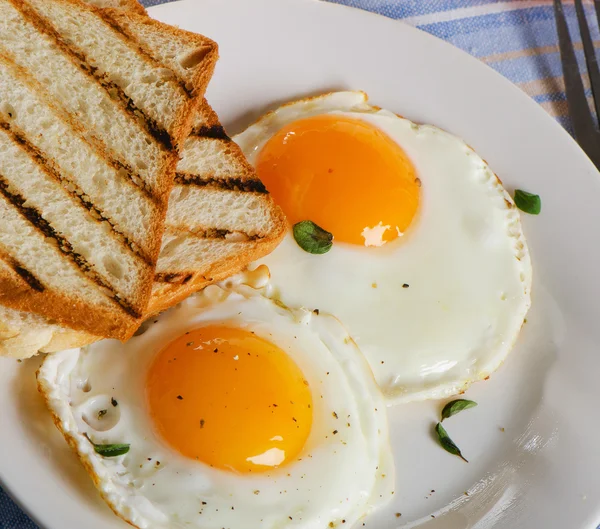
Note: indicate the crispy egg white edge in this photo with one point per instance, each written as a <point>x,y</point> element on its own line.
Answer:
<point>114,494</point>
<point>136,509</point>
<point>357,102</point>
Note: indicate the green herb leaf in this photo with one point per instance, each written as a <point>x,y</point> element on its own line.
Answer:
<point>456,406</point>
<point>312,238</point>
<point>446,442</point>
<point>109,450</point>
<point>528,202</point>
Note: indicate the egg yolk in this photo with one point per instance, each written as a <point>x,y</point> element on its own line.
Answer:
<point>230,399</point>
<point>345,175</point>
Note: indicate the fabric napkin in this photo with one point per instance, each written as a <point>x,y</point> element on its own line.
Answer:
<point>517,38</point>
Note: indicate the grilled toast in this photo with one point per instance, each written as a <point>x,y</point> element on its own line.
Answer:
<point>204,242</point>
<point>220,218</point>
<point>94,106</point>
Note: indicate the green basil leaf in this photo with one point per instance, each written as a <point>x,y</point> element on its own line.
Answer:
<point>109,450</point>
<point>528,202</point>
<point>312,238</point>
<point>446,442</point>
<point>456,406</point>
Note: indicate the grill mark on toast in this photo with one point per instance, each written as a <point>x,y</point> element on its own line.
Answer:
<point>149,125</point>
<point>49,167</point>
<point>215,132</point>
<point>34,217</point>
<point>217,233</point>
<point>114,24</point>
<point>22,272</point>
<point>227,184</point>
<point>173,278</point>
<point>78,58</point>
<point>127,174</point>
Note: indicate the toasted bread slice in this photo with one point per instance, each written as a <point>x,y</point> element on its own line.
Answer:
<point>203,243</point>
<point>94,105</point>
<point>133,6</point>
<point>220,219</point>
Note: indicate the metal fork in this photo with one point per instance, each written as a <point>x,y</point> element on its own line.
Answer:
<point>584,124</point>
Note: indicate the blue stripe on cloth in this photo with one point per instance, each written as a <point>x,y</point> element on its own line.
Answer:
<point>534,34</point>
<point>514,30</point>
<point>523,69</point>
<point>491,22</point>
<point>556,96</point>
<point>410,8</point>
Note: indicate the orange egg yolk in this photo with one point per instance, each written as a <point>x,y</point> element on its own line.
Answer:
<point>230,399</point>
<point>343,174</point>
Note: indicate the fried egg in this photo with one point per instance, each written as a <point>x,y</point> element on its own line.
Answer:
<point>237,412</point>
<point>429,268</point>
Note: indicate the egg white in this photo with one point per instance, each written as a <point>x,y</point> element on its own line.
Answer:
<point>338,477</point>
<point>442,305</point>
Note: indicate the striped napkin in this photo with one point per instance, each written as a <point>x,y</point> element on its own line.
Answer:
<point>517,38</point>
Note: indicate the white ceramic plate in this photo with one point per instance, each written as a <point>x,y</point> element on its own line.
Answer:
<point>533,439</point>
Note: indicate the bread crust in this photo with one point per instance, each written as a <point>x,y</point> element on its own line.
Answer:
<point>132,6</point>
<point>54,305</point>
<point>107,321</point>
<point>204,123</point>
<point>169,295</point>
<point>166,295</point>
<point>200,76</point>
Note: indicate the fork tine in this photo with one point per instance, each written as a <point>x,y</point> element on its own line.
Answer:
<point>597,6</point>
<point>590,55</point>
<point>579,111</point>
